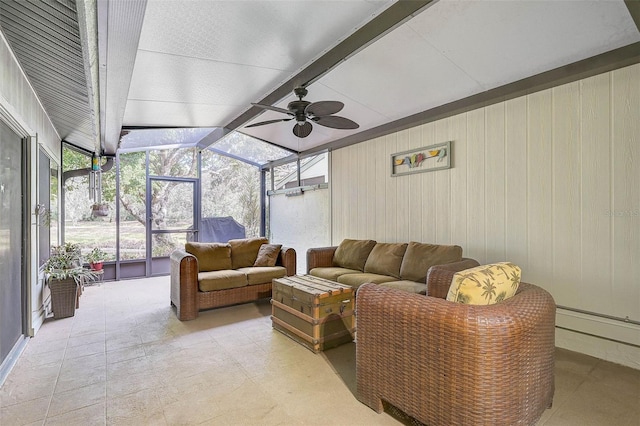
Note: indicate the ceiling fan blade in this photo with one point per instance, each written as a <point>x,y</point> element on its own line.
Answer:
<point>336,122</point>
<point>262,123</point>
<point>302,131</point>
<point>321,108</point>
<point>273,108</point>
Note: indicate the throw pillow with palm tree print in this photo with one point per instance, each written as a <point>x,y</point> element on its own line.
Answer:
<point>485,284</point>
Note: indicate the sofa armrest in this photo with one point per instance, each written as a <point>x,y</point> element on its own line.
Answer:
<point>287,258</point>
<point>320,257</point>
<point>439,276</point>
<point>184,284</point>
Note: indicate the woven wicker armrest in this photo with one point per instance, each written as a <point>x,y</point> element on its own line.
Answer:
<point>439,276</point>
<point>184,284</point>
<point>446,363</point>
<point>287,258</point>
<point>320,257</point>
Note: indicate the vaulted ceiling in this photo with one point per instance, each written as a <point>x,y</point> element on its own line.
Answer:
<point>99,65</point>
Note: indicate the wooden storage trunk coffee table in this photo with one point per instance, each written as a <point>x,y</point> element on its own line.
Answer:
<point>315,312</point>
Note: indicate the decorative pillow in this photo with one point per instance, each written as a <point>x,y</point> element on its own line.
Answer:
<point>420,257</point>
<point>352,254</point>
<point>211,256</point>
<point>268,255</point>
<point>245,251</point>
<point>485,284</point>
<point>385,259</point>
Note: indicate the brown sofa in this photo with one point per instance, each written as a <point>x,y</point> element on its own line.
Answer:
<point>395,265</point>
<point>210,275</point>
<point>448,363</point>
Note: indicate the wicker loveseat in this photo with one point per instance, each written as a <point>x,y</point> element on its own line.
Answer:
<point>210,275</point>
<point>447,363</point>
<point>402,266</point>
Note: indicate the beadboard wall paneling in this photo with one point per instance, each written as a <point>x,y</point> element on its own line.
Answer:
<point>549,181</point>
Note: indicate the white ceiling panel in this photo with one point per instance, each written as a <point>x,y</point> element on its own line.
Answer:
<point>396,84</point>
<point>173,114</point>
<point>497,42</point>
<point>282,35</point>
<point>169,78</point>
<point>202,63</point>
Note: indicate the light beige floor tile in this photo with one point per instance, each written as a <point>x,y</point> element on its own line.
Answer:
<point>125,354</point>
<point>138,408</point>
<point>621,380</point>
<point>86,339</point>
<point>590,405</point>
<point>133,383</point>
<point>86,349</point>
<point>93,415</point>
<point>126,350</point>
<point>25,412</point>
<point>74,399</point>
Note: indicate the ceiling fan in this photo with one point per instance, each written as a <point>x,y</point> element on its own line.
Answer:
<point>304,112</point>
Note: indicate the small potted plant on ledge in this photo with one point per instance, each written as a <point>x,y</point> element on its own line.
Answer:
<point>96,258</point>
<point>64,274</point>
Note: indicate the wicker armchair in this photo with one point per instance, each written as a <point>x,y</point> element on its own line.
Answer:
<point>444,363</point>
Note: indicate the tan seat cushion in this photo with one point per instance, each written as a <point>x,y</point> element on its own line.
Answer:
<point>221,280</point>
<point>419,257</point>
<point>245,251</point>
<point>485,284</point>
<point>385,259</point>
<point>331,273</point>
<point>410,286</point>
<point>268,255</point>
<point>211,256</point>
<point>263,274</point>
<point>356,280</point>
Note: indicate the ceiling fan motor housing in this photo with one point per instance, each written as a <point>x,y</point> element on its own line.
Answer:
<point>298,108</point>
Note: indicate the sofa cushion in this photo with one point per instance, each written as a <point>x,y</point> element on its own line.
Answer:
<point>356,280</point>
<point>211,256</point>
<point>385,259</point>
<point>419,257</point>
<point>485,284</point>
<point>245,251</point>
<point>263,274</point>
<point>410,286</point>
<point>268,255</point>
<point>331,273</point>
<point>221,280</point>
<point>352,254</point>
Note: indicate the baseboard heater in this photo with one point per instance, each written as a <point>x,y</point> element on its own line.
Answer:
<point>617,329</point>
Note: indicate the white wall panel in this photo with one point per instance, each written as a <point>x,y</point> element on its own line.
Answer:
<point>516,181</point>
<point>625,209</point>
<point>539,187</point>
<point>293,229</point>
<point>549,181</point>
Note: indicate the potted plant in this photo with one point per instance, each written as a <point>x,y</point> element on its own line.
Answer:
<point>96,258</point>
<point>64,273</point>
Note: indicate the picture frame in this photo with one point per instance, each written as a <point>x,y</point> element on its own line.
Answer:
<point>426,159</point>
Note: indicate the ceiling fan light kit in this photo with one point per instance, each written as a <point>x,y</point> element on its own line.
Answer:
<point>304,111</point>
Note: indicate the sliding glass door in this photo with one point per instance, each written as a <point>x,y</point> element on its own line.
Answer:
<point>12,288</point>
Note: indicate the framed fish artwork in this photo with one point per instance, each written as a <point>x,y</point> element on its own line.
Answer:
<point>425,159</point>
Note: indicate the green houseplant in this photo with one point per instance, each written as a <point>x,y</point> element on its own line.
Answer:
<point>64,273</point>
<point>96,258</point>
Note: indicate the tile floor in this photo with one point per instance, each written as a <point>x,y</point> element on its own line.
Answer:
<point>125,359</point>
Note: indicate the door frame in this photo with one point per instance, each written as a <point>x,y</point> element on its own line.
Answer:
<point>149,228</point>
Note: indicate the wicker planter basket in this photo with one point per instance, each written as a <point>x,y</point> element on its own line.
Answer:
<point>63,297</point>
